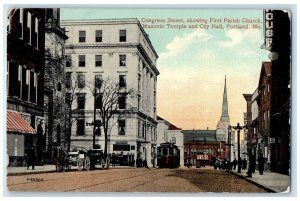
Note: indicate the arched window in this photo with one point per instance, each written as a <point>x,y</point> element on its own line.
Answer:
<point>59,86</point>
<point>58,135</point>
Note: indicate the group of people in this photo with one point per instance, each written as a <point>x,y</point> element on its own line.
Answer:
<point>242,164</point>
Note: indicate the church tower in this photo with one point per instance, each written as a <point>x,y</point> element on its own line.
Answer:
<point>222,128</point>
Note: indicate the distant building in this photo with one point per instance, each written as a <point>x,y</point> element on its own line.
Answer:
<point>222,128</point>
<point>249,138</point>
<point>118,49</point>
<point>200,146</point>
<point>167,132</point>
<point>25,82</point>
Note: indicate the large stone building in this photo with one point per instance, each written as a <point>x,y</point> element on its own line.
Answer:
<point>167,132</point>
<point>54,95</point>
<point>118,50</point>
<point>25,81</point>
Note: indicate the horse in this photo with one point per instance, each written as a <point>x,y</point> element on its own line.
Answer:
<point>59,158</point>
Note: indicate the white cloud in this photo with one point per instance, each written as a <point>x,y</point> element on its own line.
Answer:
<point>236,37</point>
<point>180,43</point>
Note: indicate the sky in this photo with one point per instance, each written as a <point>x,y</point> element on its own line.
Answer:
<point>193,61</point>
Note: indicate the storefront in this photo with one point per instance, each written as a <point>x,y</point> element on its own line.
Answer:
<point>20,135</point>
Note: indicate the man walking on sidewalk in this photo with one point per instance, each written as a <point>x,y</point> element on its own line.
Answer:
<point>261,163</point>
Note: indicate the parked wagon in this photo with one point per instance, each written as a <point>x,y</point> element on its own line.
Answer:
<point>97,159</point>
<point>78,156</point>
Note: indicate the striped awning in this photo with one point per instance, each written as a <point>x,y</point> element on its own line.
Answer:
<point>16,124</point>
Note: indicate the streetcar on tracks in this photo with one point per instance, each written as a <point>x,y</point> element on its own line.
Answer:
<point>168,155</point>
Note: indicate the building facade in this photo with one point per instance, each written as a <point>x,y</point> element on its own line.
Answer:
<point>265,94</point>
<point>25,82</point>
<point>277,27</point>
<point>118,50</point>
<point>54,95</point>
<point>201,147</point>
<point>167,132</point>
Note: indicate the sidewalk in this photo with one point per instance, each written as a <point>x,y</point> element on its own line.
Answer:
<point>15,171</point>
<point>270,181</point>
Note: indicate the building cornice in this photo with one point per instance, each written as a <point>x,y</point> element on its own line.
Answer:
<point>110,22</point>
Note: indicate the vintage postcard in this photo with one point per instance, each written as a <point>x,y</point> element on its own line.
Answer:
<point>148,100</point>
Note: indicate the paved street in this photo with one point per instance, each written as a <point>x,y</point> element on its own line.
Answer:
<point>133,180</point>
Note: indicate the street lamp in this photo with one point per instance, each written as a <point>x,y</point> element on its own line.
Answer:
<point>238,128</point>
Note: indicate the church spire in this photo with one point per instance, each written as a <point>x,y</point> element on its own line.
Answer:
<point>225,116</point>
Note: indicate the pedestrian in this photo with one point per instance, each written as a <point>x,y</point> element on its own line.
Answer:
<point>261,163</point>
<point>240,164</point>
<point>251,168</point>
<point>234,163</point>
<point>113,160</point>
<point>146,164</point>
<point>244,164</point>
<point>31,157</point>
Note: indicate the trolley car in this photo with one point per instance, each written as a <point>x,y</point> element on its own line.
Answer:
<point>168,155</point>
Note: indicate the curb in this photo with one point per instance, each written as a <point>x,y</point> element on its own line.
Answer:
<point>266,188</point>
<point>29,173</point>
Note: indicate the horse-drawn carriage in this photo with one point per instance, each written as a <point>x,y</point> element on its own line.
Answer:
<point>79,156</point>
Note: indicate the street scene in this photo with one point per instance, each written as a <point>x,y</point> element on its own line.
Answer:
<point>135,180</point>
<point>148,100</point>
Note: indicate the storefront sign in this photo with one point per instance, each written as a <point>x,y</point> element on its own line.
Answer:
<point>269,29</point>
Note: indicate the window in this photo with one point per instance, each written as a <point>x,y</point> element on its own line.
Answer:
<point>59,86</point>
<point>121,147</point>
<point>98,101</point>
<point>68,61</point>
<point>122,35</point>
<point>34,34</point>
<point>81,101</point>
<point>98,81</point>
<point>81,81</point>
<point>27,28</point>
<point>164,151</point>
<point>68,80</point>
<point>98,60</point>
<point>80,127</point>
<point>20,24</point>
<point>122,80</point>
<point>139,83</point>
<point>122,127</point>
<point>139,124</point>
<point>174,140</point>
<point>122,102</point>
<point>81,62</point>
<point>98,36</point>
<point>122,59</point>
<point>81,36</point>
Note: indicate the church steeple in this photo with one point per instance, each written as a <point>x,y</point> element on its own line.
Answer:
<point>225,116</point>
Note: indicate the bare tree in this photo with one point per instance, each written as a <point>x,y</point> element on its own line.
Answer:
<point>110,100</point>
<point>74,85</point>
